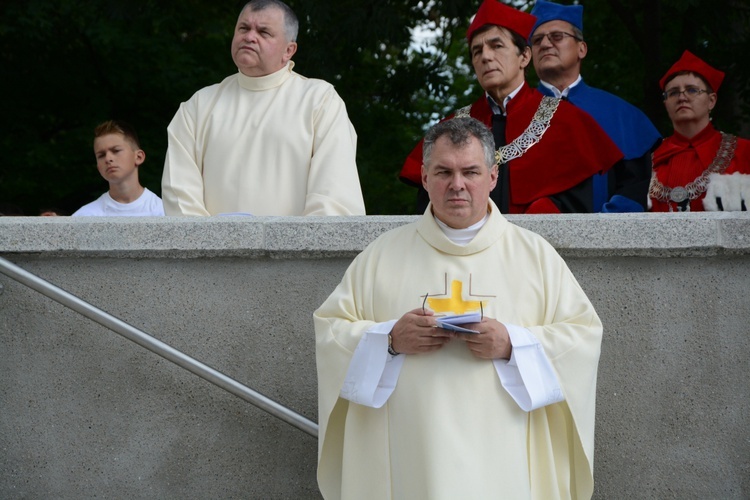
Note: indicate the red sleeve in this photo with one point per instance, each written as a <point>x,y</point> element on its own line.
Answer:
<point>411,172</point>
<point>741,161</point>
<point>543,206</point>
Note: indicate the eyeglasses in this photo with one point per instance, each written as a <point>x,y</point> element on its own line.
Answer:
<point>552,36</point>
<point>689,92</point>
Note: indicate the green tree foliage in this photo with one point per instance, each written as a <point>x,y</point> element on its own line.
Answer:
<point>632,43</point>
<point>66,65</point>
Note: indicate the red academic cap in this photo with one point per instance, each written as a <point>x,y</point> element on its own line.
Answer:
<point>499,14</point>
<point>694,64</point>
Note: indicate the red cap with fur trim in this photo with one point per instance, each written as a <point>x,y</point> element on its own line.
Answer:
<point>499,14</point>
<point>694,64</point>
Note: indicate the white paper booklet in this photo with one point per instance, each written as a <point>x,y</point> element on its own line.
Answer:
<point>452,322</point>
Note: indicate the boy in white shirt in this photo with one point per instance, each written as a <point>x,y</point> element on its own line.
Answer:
<point>118,156</point>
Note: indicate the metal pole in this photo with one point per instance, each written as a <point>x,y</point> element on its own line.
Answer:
<point>156,346</point>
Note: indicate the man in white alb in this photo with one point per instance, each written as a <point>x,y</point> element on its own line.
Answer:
<point>410,409</point>
<point>266,140</point>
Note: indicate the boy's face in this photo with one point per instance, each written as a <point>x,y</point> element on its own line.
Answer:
<point>116,158</point>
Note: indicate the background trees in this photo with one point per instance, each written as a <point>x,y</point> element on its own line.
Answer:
<point>66,65</point>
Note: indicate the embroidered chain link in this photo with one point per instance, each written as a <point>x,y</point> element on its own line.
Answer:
<point>693,190</point>
<point>532,135</point>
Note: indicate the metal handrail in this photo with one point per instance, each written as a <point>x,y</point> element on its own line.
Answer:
<point>158,347</point>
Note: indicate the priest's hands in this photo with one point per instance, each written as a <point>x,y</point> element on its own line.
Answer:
<point>416,333</point>
<point>492,341</point>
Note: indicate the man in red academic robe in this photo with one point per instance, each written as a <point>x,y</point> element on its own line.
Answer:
<point>697,168</point>
<point>548,150</point>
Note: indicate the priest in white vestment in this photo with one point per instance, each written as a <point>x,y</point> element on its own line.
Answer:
<point>408,410</point>
<point>266,140</point>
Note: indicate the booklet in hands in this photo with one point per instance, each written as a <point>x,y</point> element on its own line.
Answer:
<point>452,322</point>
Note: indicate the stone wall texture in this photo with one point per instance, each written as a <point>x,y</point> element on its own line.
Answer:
<point>85,412</point>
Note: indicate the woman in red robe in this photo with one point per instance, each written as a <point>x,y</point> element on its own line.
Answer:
<point>697,168</point>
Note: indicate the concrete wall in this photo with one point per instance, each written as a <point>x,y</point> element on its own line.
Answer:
<point>86,413</point>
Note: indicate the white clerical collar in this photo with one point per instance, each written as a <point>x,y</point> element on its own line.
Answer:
<point>461,236</point>
<point>565,91</point>
<point>494,106</point>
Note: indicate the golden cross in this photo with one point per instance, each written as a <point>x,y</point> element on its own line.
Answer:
<point>455,303</point>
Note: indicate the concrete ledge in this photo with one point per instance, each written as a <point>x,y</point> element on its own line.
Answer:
<point>655,235</point>
<point>85,413</point>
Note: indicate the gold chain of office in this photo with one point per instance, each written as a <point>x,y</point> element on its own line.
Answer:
<point>691,191</point>
<point>532,135</point>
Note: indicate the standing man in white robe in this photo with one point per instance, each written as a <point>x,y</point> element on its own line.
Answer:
<point>411,410</point>
<point>266,140</point>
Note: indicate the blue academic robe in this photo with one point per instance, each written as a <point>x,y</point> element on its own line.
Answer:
<point>632,132</point>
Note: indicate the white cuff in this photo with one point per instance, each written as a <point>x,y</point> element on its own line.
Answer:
<point>528,376</point>
<point>373,373</point>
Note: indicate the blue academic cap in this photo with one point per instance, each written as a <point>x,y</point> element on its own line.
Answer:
<point>550,11</point>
